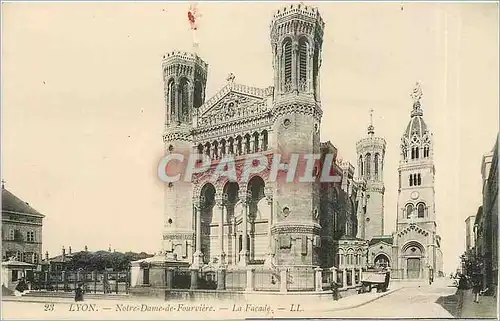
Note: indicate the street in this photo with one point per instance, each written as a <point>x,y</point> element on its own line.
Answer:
<point>413,300</point>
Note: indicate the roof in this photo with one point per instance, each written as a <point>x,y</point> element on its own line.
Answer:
<point>417,126</point>
<point>17,263</point>
<point>382,238</point>
<point>12,203</point>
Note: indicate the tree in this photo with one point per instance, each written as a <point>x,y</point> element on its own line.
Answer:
<point>102,260</point>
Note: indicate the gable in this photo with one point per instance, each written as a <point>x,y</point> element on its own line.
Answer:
<point>233,102</point>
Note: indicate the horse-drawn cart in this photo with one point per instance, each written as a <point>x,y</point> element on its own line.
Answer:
<point>372,278</point>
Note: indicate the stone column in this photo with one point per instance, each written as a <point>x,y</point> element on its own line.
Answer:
<point>169,277</point>
<point>252,144</point>
<point>283,281</point>
<point>353,276</point>
<point>318,279</point>
<point>176,107</point>
<point>250,285</point>
<point>194,279</point>
<point>235,242</point>
<point>222,256</point>
<point>270,254</point>
<point>344,278</point>
<point>198,255</point>
<point>244,252</point>
<point>334,273</point>
<point>221,279</point>
<point>295,50</point>
<point>261,142</point>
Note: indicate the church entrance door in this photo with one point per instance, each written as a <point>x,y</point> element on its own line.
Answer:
<point>413,268</point>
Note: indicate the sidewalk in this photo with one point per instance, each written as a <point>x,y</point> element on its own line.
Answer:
<point>349,302</point>
<point>486,308</point>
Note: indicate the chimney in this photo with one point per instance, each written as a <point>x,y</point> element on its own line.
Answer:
<point>69,250</point>
<point>86,248</point>
<point>63,253</point>
<point>109,248</point>
<point>47,256</point>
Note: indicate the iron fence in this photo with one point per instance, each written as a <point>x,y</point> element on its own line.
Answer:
<point>327,279</point>
<point>266,280</point>
<point>301,279</point>
<point>236,279</point>
<point>91,281</point>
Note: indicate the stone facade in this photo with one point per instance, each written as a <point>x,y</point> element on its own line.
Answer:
<point>21,230</point>
<point>416,245</point>
<point>256,220</point>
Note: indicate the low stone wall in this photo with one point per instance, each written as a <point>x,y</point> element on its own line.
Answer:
<point>235,296</point>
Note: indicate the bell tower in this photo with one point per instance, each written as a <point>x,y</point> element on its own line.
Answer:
<point>371,153</point>
<point>185,77</point>
<point>296,41</point>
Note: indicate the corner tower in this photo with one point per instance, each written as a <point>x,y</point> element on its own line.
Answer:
<point>185,77</point>
<point>371,154</point>
<point>296,41</point>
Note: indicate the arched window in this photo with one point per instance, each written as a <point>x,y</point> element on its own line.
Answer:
<point>409,210</point>
<point>420,209</point>
<point>200,149</point>
<point>426,151</point>
<point>171,96</point>
<point>287,60</point>
<point>419,180</point>
<point>411,179</point>
<point>303,48</point>
<point>361,173</point>
<point>184,97</point>
<point>368,160</point>
<point>376,165</point>
<point>264,140</point>
<point>231,145</point>
<point>198,94</point>
<point>416,153</point>
<point>413,153</point>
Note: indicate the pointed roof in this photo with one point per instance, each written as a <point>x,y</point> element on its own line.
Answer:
<point>12,203</point>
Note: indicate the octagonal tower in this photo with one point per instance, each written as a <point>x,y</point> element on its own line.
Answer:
<point>296,41</point>
<point>185,77</point>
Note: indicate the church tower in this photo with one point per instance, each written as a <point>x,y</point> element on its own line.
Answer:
<point>415,242</point>
<point>185,77</point>
<point>371,154</point>
<point>296,41</point>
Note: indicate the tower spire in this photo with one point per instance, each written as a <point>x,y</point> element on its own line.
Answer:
<point>416,95</point>
<point>371,129</point>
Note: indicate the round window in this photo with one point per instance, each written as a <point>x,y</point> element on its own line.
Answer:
<point>286,122</point>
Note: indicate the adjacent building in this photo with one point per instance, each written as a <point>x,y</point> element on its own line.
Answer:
<point>21,229</point>
<point>486,222</point>
<point>469,232</point>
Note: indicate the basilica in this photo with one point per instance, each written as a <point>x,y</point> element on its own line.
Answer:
<point>232,225</point>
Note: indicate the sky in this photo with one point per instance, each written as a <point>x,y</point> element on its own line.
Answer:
<point>82,102</point>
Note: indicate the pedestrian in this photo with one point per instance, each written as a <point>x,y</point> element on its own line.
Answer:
<point>476,287</point>
<point>431,276</point>
<point>79,293</point>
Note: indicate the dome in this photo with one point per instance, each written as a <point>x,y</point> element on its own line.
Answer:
<point>417,126</point>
